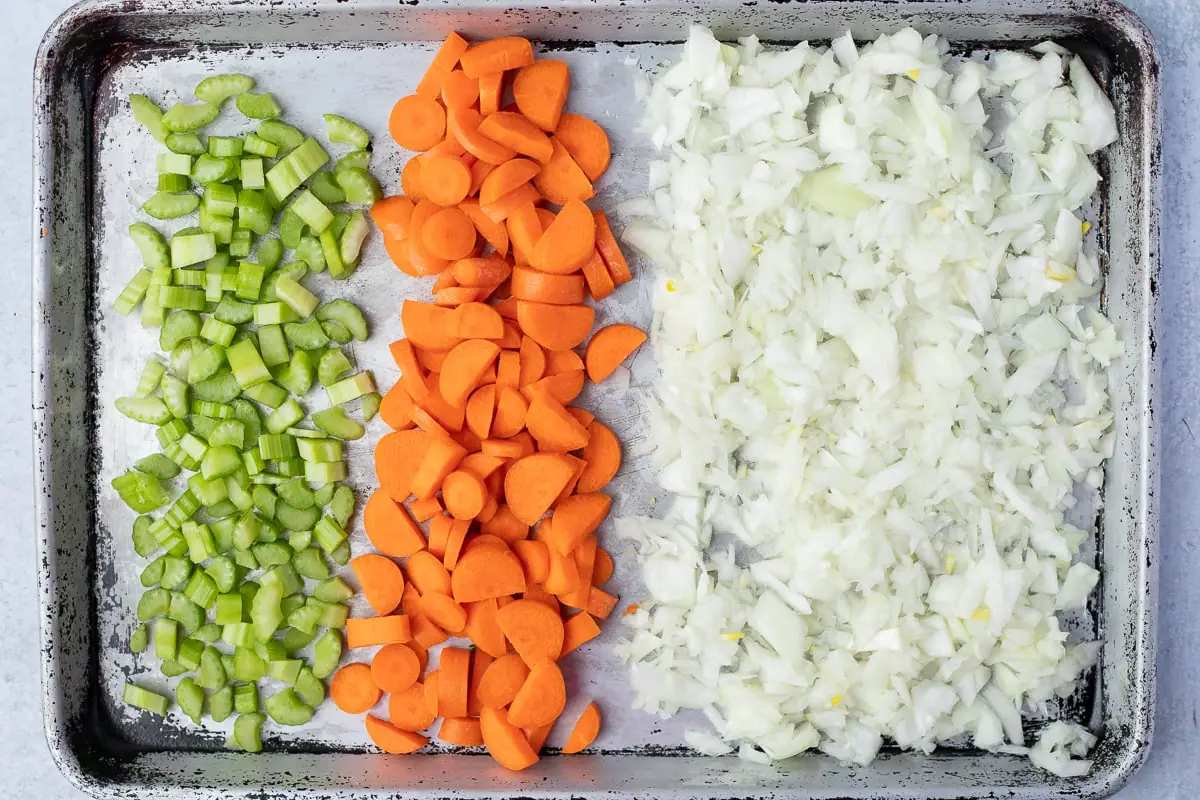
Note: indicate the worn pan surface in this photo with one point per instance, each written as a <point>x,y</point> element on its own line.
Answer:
<point>94,166</point>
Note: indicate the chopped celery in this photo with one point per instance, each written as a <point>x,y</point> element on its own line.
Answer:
<point>270,251</point>
<point>239,246</point>
<point>353,237</point>
<point>333,590</point>
<point>291,229</point>
<point>342,505</point>
<point>181,297</point>
<point>212,671</point>
<point>360,159</point>
<point>285,577</point>
<point>336,331</point>
<point>284,417</point>
<point>209,169</point>
<point>323,494</point>
<point>320,451</point>
<point>169,205</point>
<point>174,183</point>
<point>299,540</point>
<point>328,534</point>
<point>133,293</point>
<point>256,145</point>
<point>306,433</point>
<point>174,164</point>
<point>371,401</point>
<point>276,446</point>
<point>220,461</point>
<point>139,640</point>
<point>166,638</point>
<point>158,465</point>
<point>312,211</point>
<point>296,167</point>
<point>335,422</point>
<point>310,252</point>
<point>332,254</point>
<point>217,332</point>
<point>151,244</point>
<point>343,131</point>
<point>268,394</point>
<point>208,633</point>
<point>285,670</point>
<point>273,345</point>
<point>325,472</point>
<point>153,603</point>
<point>147,114</point>
<point>301,300</point>
<point>228,608</point>
<point>233,312</point>
<point>247,365</point>
<point>280,134</point>
<point>176,571</point>
<point>152,574</point>
<point>306,335</point>
<point>185,612</point>
<point>225,146</point>
<point>183,117</point>
<point>221,388</point>
<point>350,388</point>
<point>192,249</point>
<point>286,708</point>
<point>289,468</point>
<point>246,732</point>
<point>206,362</point>
<point>220,703</point>
<point>265,615</point>
<point>253,212</point>
<point>238,634</point>
<point>217,88</point>
<point>297,376</point>
<point>341,556</point>
<point>189,654</point>
<point>141,492</point>
<point>309,688</point>
<point>258,106</point>
<point>327,652</point>
<point>185,143</point>
<point>273,314</point>
<point>151,410</point>
<point>271,554</point>
<point>325,187</point>
<point>145,700</point>
<point>360,186</point>
<point>223,572</point>
<point>190,698</point>
<point>144,542</point>
<point>311,564</point>
<point>201,589</point>
<point>294,519</point>
<point>245,412</point>
<point>245,698</point>
<point>296,493</point>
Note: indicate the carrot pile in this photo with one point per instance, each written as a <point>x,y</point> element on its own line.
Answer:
<point>486,448</point>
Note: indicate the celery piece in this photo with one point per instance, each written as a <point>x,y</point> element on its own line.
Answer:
<point>141,492</point>
<point>333,590</point>
<point>208,170</point>
<point>220,702</point>
<point>180,297</point>
<point>221,201</point>
<point>299,299</point>
<point>218,88</point>
<point>217,332</point>
<point>225,146</point>
<point>172,669</point>
<point>139,640</point>
<point>327,652</point>
<point>296,167</point>
<point>189,654</point>
<point>296,493</point>
<point>332,254</point>
<point>152,573</point>
<point>270,252</point>
<point>249,281</point>
<point>245,698</point>
<point>258,146</point>
<point>341,506</point>
<point>258,106</point>
<point>360,186</point>
<point>192,249</point>
<point>212,671</point>
<point>185,612</point>
<point>174,164</point>
<point>264,501</point>
<point>172,431</point>
<point>306,433</point>
<point>274,650</point>
<point>247,732</point>
<point>325,472</point>
<point>220,461</point>
<point>310,252</point>
<point>208,633</point>
<point>280,134</point>
<point>147,114</point>
<point>335,422</point>
<point>238,634</point>
<point>268,394</point>
<point>176,572</point>
<point>265,615</point>
<point>190,699</point>
<point>273,345</point>
<point>183,117</point>
<point>285,577</point>
<point>294,640</point>
<point>239,246</point>
<point>324,493</point>
<point>174,183</point>
<point>166,638</point>
<point>299,540</point>
<point>201,546</point>
<point>132,293</point>
<point>245,412</point>
<point>206,362</point>
<point>151,245</point>
<point>192,278</point>
<point>284,417</point>
<point>253,212</point>
<point>229,432</point>
<point>273,314</point>
<point>306,335</point>
<point>170,205</point>
<point>233,312</point>
<point>360,159</point>
<point>221,388</point>
<point>312,211</point>
<point>145,700</point>
<point>350,388</point>
<point>188,144</point>
<point>276,446</point>
<point>271,554</point>
<point>247,365</point>
<point>153,603</point>
<point>291,229</point>
<point>220,511</point>
<point>309,688</point>
<point>371,401</point>
<point>320,451</point>
<point>328,534</point>
<point>289,467</point>
<point>144,542</point>
<point>341,554</point>
<point>224,574</point>
<point>311,564</point>
<point>207,490</point>
<point>297,376</point>
<point>285,707</point>
<point>228,608</point>
<point>336,331</point>
<point>343,131</point>
<point>353,237</point>
<point>201,589</point>
<point>326,188</point>
<point>294,519</point>
<point>151,410</point>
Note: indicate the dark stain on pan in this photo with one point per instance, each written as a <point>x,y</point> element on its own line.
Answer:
<point>106,757</point>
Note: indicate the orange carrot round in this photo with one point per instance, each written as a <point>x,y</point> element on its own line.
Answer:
<point>563,387</point>
<point>463,368</point>
<point>509,418</point>
<point>555,430</point>
<point>534,630</point>
<point>586,729</point>
<point>459,91</point>
<point>603,457</point>
<point>484,572</point>
<point>533,361</point>
<point>502,680</point>
<point>417,122</point>
<point>390,528</point>
<point>353,690</point>
<point>609,347</point>
<point>563,577</point>
<point>444,612</point>
<point>461,731</point>
<point>506,525</point>
<point>532,484</point>
<point>495,233</point>
<point>515,131</point>
<point>371,631</point>
<point>555,327</point>
<point>524,229</point>
<point>505,742</point>
<point>423,260</point>
<point>506,177</point>
<point>484,271</point>
<point>491,87</point>
<point>398,456</point>
<point>464,124</point>
<point>586,142</point>
<point>577,517</point>
<point>464,495</point>
<point>449,234</point>
<point>395,668</point>
<point>540,90</point>
<point>544,287</point>
<point>453,673</point>
<point>483,629</point>
<point>408,710</point>
<point>479,172</point>
<point>541,698</point>
<point>478,321</point>
<point>442,456</point>
<point>508,366</point>
<point>480,408</point>
<point>391,215</point>
<point>496,55</point>
<point>603,568</point>
<point>578,630</point>
<point>568,242</point>
<point>396,408</point>
<point>428,326</point>
<point>523,195</point>
<point>559,361</point>
<point>398,252</point>
<point>391,739</point>
<point>427,573</point>
<point>561,179</point>
<point>535,559</point>
<point>445,179</point>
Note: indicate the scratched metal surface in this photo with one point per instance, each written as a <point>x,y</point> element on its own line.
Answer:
<point>356,59</point>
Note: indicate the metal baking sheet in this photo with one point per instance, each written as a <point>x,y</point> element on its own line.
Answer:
<point>95,166</point>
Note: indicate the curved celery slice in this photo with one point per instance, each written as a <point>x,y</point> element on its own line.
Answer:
<point>310,252</point>
<point>140,639</point>
<point>169,205</point>
<point>217,88</point>
<point>291,228</point>
<point>151,410</point>
<point>221,388</point>
<point>371,401</point>
<point>190,698</point>
<point>188,144</point>
<point>353,237</point>
<point>295,519</point>
<point>311,564</point>
<point>297,376</point>
<point>341,507</point>
<point>333,590</point>
<point>360,186</point>
<point>297,495</point>
<point>184,117</point>
<point>211,169</point>
<point>147,114</point>
<point>343,131</point>
<point>206,362</point>
<point>332,366</point>
<point>247,731</point>
<point>220,703</point>
<point>178,326</point>
<point>270,251</point>
<point>309,688</point>
<point>336,331</point>
<point>151,244</point>
<point>306,335</point>
<point>280,134</point>
<point>326,188</point>
<point>158,465</point>
<point>327,651</point>
<point>358,158</point>
<point>258,106</point>
<point>286,708</point>
<point>335,422</point>
<point>141,492</point>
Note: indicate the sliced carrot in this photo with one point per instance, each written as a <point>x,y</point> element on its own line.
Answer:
<point>508,369</point>
<point>391,739</point>
<point>540,90</point>
<point>555,327</point>
<point>391,215</point>
<point>464,123</point>
<point>480,408</point>
<point>524,230</point>
<point>464,495</point>
<point>428,423</point>
<point>370,631</point>
<point>461,731</point>
<point>353,690</point>
<point>433,684</point>
<point>600,603</point>
<point>509,418</point>
<point>503,448</point>
<point>428,326</point>
<point>568,242</point>
<point>417,122</point>
<point>444,612</point>
<point>478,321</point>
<point>489,509</point>
<point>486,540</point>
<point>563,387</point>
<point>561,179</point>
<point>532,484</point>
<point>600,282</point>
<point>440,460</point>
<point>395,668</point>
<point>453,681</point>
<point>427,573</point>
<point>538,594</point>
<point>482,464</point>
<point>505,742</point>
<point>484,572</point>
<point>576,518</point>
<point>512,333</point>
<point>533,361</point>
<point>506,525</point>
<point>431,360</point>
<point>603,457</point>
<point>586,729</point>
<point>446,58</point>
<point>523,195</point>
<point>577,631</point>
<point>389,527</point>
<point>396,408</point>
<point>609,347</point>
<point>424,510</point>
<point>537,736</point>
<point>449,234</point>
<point>446,147</point>
<point>479,172</point>
<point>463,368</point>
<point>563,577</point>
<point>454,544</point>
<point>496,55</point>
<point>398,252</point>
<point>535,631</point>
<point>486,271</point>
<point>586,142</point>
<point>491,87</point>
<point>496,234</point>
<point>439,534</point>
<point>425,634</point>
<point>412,378</point>
<point>543,287</point>
<point>410,182</point>
<point>610,251</point>
<point>517,132</point>
<point>483,629</point>
<point>541,698</point>
<point>423,260</point>
<point>480,661</point>
<point>444,281</point>
<point>408,710</point>
<point>560,361</point>
<point>535,559</point>
<point>506,177</point>
<point>455,296</point>
<point>555,430</point>
<point>584,416</point>
<point>459,91</point>
<point>398,456</point>
<point>502,681</point>
<point>603,569</point>
<point>445,179</point>
<point>585,561</point>
<point>449,416</point>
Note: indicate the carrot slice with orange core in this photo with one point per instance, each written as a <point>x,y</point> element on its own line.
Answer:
<point>485,572</point>
<point>453,681</point>
<point>391,739</point>
<point>496,55</point>
<point>443,611</point>
<point>486,271</point>
<point>396,408</point>
<point>461,731</point>
<point>505,742</point>
<point>398,456</point>
<point>563,387</point>
<point>603,569</point>
<point>524,230</point>
<point>371,631</point>
<point>532,484</point>
<point>586,729</point>
<point>428,326</point>
<point>511,409</point>
<point>398,252</point>
<point>533,361</point>
<point>540,91</point>
<point>603,457</point>
<point>353,690</point>
<point>417,122</point>
<point>610,251</point>
<point>463,368</point>
<point>464,123</point>
<point>586,142</point>
<point>609,347</point>
<point>506,525</point>
<point>535,559</point>
<point>483,629</point>
<point>449,234</point>
<point>561,179</point>
<point>515,131</point>
<point>480,661</point>
<point>390,528</point>
<point>412,378</point>
<point>491,87</point>
<point>443,63</point>
<point>423,261</point>
<point>508,368</point>
<point>555,327</point>
<point>600,603</point>
<point>541,698</point>
<point>576,518</point>
<point>440,460</point>
<point>427,573</point>
<point>464,495</point>
<point>445,179</point>
<point>502,681</point>
<point>459,91</point>
<point>559,361</point>
<point>568,242</point>
<point>535,631</point>
<point>408,710</point>
<point>600,282</point>
<point>524,194</point>
<point>496,235</point>
<point>544,287</point>
<point>478,321</point>
<point>555,430</point>
<point>392,214</point>
<point>480,408</point>
<point>395,668</point>
<point>578,630</point>
<point>446,147</point>
<point>506,177</point>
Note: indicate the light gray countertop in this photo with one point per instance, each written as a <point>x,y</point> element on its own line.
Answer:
<point>1173,770</point>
